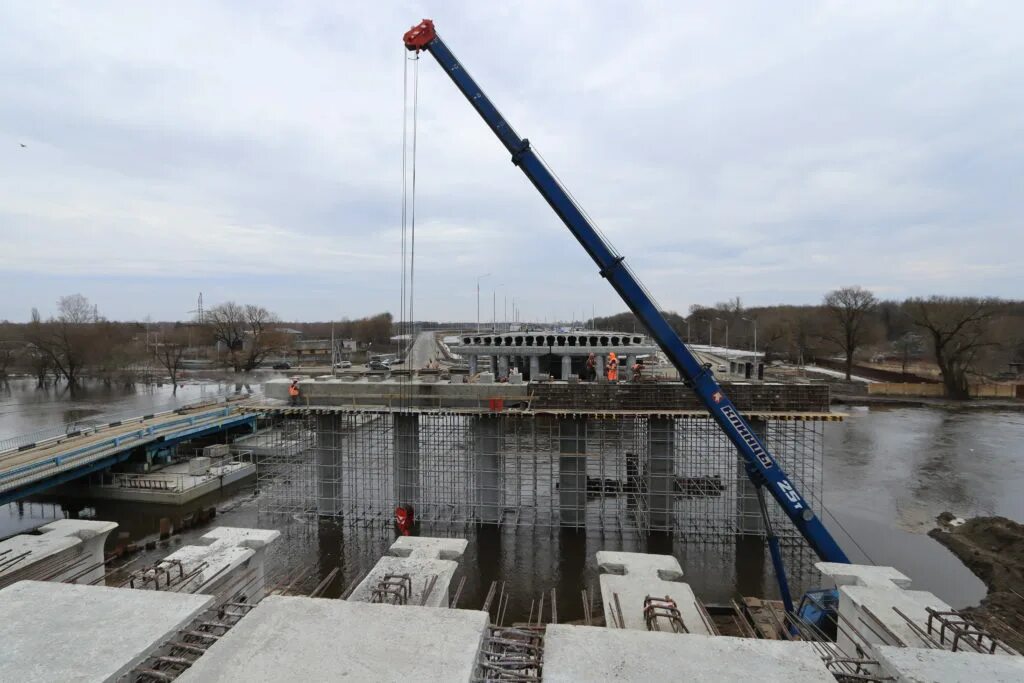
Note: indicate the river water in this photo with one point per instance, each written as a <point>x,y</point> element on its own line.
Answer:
<point>888,472</point>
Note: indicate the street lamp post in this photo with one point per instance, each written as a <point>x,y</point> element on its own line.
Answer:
<point>478,279</point>
<point>494,307</point>
<point>753,321</point>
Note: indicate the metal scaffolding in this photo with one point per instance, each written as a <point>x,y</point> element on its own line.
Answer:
<point>613,470</point>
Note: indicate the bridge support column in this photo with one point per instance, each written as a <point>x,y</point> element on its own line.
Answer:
<point>630,360</point>
<point>407,459</point>
<point>600,364</point>
<point>748,510</point>
<point>487,454</point>
<point>566,367</point>
<point>472,364</point>
<point>661,445</point>
<point>328,464</point>
<point>502,367</point>
<point>534,368</point>
<point>572,471</point>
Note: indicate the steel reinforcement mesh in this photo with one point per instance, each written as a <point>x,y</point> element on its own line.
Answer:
<point>632,472</point>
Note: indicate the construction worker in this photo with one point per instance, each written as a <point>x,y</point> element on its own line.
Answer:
<point>590,374</point>
<point>638,368</point>
<point>613,367</point>
<point>293,393</point>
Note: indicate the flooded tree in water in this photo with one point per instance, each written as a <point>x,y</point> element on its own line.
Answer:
<point>169,353</point>
<point>959,332</point>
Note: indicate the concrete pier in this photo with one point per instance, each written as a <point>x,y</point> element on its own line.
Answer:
<point>78,543</point>
<point>566,368</point>
<point>627,579</point>
<point>572,471</point>
<point>65,632</point>
<point>328,463</point>
<point>422,559</point>
<point>661,444</point>
<point>748,511</point>
<point>486,450</point>
<point>534,368</point>
<point>407,458</point>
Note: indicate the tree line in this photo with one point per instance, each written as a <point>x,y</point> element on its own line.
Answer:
<point>966,338</point>
<point>78,342</point>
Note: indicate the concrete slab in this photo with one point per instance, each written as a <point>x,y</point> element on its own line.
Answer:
<point>66,632</point>
<point>312,639</point>
<point>77,541</point>
<point>871,612</point>
<point>594,654</point>
<point>420,571</point>
<point>634,576</point>
<point>863,575</point>
<point>225,555</point>
<point>913,665</point>
<point>428,547</point>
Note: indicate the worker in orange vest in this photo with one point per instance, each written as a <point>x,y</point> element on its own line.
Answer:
<point>613,367</point>
<point>293,393</point>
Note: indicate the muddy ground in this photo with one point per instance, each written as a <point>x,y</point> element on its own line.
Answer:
<point>993,548</point>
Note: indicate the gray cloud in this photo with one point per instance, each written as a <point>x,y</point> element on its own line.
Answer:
<point>771,152</point>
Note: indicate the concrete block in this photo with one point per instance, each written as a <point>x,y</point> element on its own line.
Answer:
<point>485,378</point>
<point>863,575</point>
<point>635,576</point>
<point>226,555</point>
<point>421,572</point>
<point>593,654</point>
<point>65,632</point>
<point>918,665</point>
<point>311,639</point>
<point>217,450</point>
<point>64,539</point>
<point>515,377</point>
<point>427,547</point>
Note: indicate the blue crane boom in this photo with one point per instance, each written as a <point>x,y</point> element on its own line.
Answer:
<point>763,469</point>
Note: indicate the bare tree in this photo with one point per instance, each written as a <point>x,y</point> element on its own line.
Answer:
<point>850,308</point>
<point>958,330</point>
<point>246,332</point>
<point>69,340</point>
<point>170,354</point>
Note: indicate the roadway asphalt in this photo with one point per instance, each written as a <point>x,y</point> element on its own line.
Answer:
<point>423,351</point>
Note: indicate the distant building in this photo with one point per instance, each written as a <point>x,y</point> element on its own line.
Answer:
<point>318,351</point>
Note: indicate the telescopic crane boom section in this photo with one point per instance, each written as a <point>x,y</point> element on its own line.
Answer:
<point>761,466</point>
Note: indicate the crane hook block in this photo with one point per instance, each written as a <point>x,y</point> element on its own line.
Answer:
<point>418,36</point>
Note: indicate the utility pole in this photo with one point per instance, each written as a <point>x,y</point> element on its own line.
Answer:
<point>334,362</point>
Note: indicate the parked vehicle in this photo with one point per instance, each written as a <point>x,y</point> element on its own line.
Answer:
<point>378,365</point>
<point>343,364</point>
<point>282,366</point>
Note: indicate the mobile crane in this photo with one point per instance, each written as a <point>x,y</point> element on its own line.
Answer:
<point>763,470</point>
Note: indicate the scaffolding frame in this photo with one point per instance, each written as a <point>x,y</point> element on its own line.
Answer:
<point>626,471</point>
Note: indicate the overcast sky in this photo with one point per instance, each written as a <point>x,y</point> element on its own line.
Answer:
<point>252,151</point>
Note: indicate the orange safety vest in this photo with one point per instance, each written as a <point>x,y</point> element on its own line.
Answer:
<point>293,390</point>
<point>613,369</point>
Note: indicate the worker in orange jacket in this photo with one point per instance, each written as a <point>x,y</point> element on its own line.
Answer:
<point>293,393</point>
<point>613,367</point>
